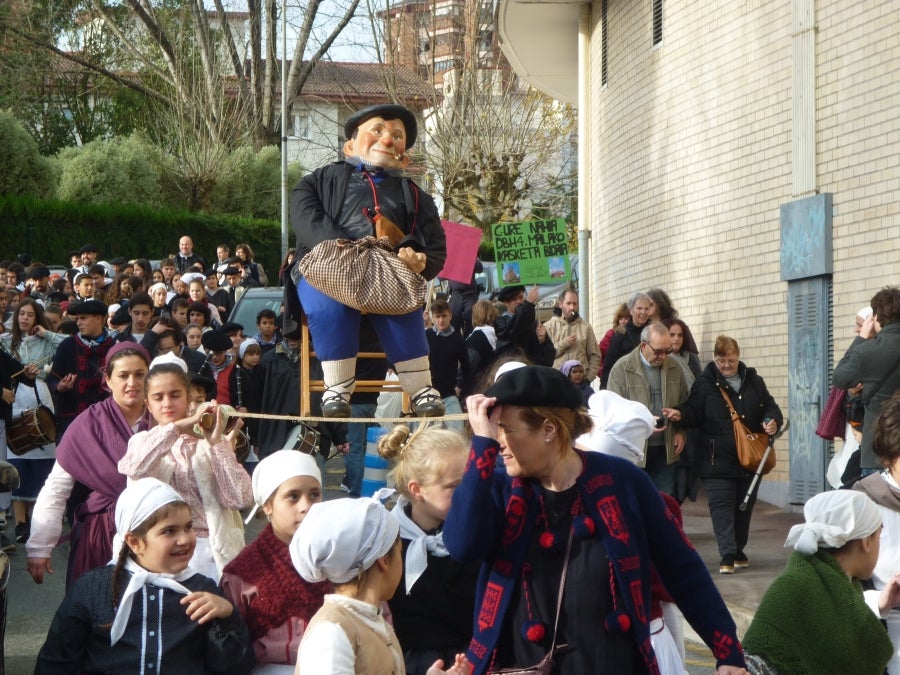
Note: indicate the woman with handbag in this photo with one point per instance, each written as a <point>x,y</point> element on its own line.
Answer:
<point>567,540</point>
<point>727,383</point>
<point>873,360</point>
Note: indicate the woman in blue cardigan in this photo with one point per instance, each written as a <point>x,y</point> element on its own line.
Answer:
<point>515,516</point>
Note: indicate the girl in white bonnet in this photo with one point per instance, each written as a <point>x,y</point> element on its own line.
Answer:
<point>354,544</point>
<point>813,618</point>
<point>147,611</point>
<point>261,581</point>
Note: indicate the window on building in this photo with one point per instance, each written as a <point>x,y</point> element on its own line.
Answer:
<point>604,43</point>
<point>657,22</point>
<point>301,126</point>
<point>486,40</point>
<point>446,9</point>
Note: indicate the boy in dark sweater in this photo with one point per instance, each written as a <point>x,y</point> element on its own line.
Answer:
<point>448,360</point>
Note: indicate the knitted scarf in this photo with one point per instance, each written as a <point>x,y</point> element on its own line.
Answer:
<point>603,508</point>
<point>90,354</point>
<point>813,619</point>
<point>266,562</point>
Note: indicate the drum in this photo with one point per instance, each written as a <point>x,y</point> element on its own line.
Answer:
<point>32,429</point>
<point>304,438</point>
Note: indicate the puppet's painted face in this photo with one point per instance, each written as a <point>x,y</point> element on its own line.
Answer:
<point>379,142</point>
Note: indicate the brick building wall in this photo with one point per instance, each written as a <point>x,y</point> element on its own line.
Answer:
<point>691,159</point>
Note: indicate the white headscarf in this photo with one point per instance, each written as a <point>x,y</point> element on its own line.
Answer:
<point>140,500</point>
<point>621,427</point>
<point>277,468</point>
<point>192,276</point>
<point>864,313</point>
<point>508,367</point>
<point>158,286</point>
<point>833,519</point>
<point>339,539</point>
<point>420,544</point>
<point>170,357</point>
<point>242,348</point>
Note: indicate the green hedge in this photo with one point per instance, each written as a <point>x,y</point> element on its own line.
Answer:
<point>47,230</point>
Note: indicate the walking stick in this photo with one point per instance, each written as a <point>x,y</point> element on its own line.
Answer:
<point>758,475</point>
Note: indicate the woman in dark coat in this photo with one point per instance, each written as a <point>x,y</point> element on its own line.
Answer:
<point>726,482</point>
<point>530,492</point>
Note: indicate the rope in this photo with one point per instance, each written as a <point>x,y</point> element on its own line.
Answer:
<point>362,420</point>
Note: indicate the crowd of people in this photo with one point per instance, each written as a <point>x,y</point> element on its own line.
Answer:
<point>542,535</point>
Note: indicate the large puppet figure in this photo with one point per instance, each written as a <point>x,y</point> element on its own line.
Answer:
<point>366,195</point>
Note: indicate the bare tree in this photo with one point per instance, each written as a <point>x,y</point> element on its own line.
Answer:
<point>496,150</point>
<point>148,43</point>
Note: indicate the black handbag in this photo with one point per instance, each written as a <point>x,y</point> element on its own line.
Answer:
<point>545,665</point>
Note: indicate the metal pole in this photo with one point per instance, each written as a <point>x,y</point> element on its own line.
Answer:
<point>284,134</point>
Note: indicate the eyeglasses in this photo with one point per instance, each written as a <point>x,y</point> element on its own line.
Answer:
<point>659,352</point>
<point>725,363</point>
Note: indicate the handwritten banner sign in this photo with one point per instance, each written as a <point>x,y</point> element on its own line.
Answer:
<point>531,252</point>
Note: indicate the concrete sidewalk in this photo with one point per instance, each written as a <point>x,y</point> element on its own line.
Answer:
<point>742,590</point>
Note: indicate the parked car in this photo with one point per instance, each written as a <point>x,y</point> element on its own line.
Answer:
<point>251,302</point>
<point>548,294</point>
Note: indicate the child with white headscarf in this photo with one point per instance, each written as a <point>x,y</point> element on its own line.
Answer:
<point>198,462</point>
<point>354,544</point>
<point>621,429</point>
<point>147,611</point>
<point>813,618</point>
<point>276,602</point>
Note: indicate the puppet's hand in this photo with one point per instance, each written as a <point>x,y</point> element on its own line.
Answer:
<point>414,261</point>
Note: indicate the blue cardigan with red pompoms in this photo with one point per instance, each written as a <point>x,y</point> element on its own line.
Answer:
<point>492,520</point>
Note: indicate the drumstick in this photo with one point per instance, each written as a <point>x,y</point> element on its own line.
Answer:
<point>34,363</point>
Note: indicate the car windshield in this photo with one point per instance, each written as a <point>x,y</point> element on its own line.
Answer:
<point>251,302</point>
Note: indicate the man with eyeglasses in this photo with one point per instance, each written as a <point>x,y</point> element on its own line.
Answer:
<point>645,375</point>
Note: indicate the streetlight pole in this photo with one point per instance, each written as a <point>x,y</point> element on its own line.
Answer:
<point>284,134</point>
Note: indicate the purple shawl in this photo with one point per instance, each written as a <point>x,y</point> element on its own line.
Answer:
<point>91,448</point>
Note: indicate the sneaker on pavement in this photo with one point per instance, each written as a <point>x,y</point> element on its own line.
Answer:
<point>6,544</point>
<point>22,533</point>
<point>741,561</point>
<point>726,566</point>
<point>344,486</point>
